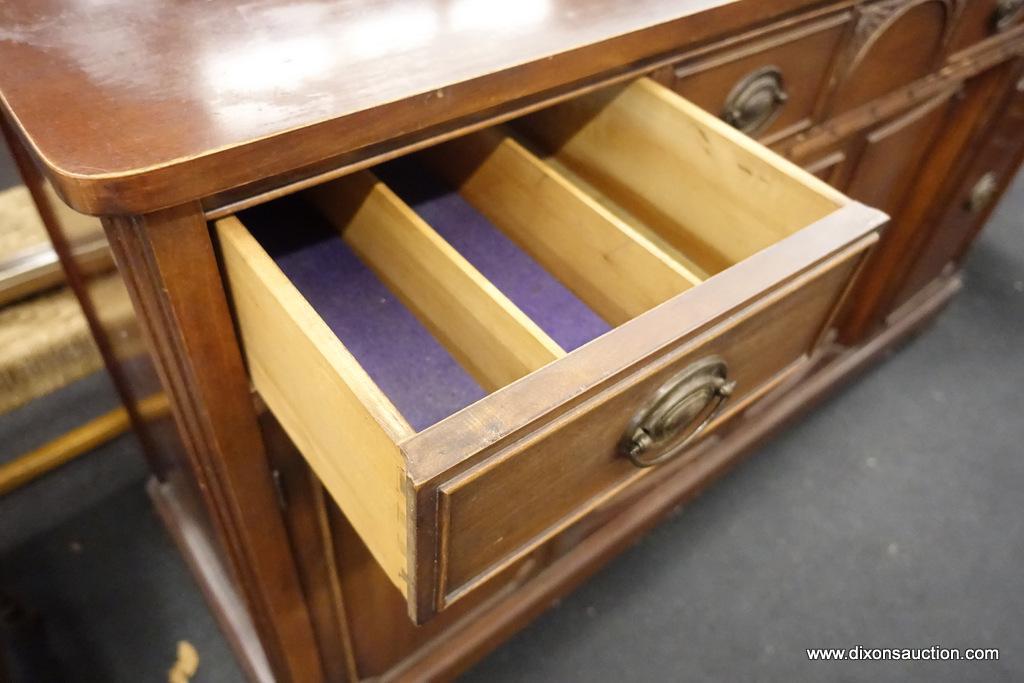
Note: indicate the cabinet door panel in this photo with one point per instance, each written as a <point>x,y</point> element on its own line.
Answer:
<point>885,173</point>
<point>893,152</point>
<point>985,179</point>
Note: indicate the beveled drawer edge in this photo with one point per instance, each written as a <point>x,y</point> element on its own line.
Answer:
<point>445,599</point>
<point>435,453</point>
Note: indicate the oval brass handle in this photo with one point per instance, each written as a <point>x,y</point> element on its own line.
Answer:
<point>756,101</point>
<point>678,413</point>
<point>983,192</point>
<point>1007,11</point>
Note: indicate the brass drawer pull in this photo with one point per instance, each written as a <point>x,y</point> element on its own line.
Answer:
<point>1007,11</point>
<point>662,429</point>
<point>756,101</point>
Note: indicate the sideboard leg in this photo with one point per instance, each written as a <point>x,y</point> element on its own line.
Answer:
<point>168,262</point>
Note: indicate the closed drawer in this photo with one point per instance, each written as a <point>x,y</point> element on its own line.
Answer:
<point>767,85</point>
<point>475,346</point>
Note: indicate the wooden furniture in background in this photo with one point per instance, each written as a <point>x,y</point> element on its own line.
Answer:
<point>315,500</point>
<point>52,335</point>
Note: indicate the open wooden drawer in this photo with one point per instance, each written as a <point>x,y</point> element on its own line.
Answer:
<point>476,345</point>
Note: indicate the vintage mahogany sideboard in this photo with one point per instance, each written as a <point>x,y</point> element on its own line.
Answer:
<point>454,299</point>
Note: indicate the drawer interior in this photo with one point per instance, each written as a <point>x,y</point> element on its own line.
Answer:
<point>453,272</point>
<point>441,332</point>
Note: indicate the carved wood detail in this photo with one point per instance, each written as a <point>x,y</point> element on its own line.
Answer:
<point>875,19</point>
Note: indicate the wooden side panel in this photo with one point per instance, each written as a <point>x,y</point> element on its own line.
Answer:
<point>306,510</point>
<point>329,406</point>
<point>171,272</point>
<point>382,636</point>
<point>706,188</point>
<point>494,340</point>
<point>533,488</point>
<point>606,262</point>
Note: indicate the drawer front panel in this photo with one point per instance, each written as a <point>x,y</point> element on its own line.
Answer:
<point>767,88</point>
<point>492,515</point>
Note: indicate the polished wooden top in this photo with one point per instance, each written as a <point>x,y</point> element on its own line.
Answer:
<point>134,105</point>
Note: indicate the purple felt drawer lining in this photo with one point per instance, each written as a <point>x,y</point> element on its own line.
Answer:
<point>408,364</point>
<point>544,299</point>
<point>406,361</point>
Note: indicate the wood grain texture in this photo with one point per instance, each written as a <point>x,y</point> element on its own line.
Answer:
<point>886,174</point>
<point>978,23</point>
<point>708,79</point>
<point>988,128</point>
<point>639,508</point>
<point>388,646</point>
<point>522,416</point>
<point>381,634</point>
<point>844,126</point>
<point>901,152</point>
<point>894,43</point>
<point>339,419</point>
<point>605,261</point>
<point>307,507</point>
<point>371,461</point>
<point>518,499</point>
<point>170,269</point>
<point>654,153</point>
<point>253,143</point>
<point>494,340</point>
<point>272,87</point>
<point>893,152</point>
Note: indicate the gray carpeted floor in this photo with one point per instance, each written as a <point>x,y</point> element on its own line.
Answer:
<point>82,549</point>
<point>891,517</point>
<point>49,501</point>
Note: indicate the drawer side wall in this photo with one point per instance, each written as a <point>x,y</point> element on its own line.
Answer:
<point>298,366</point>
